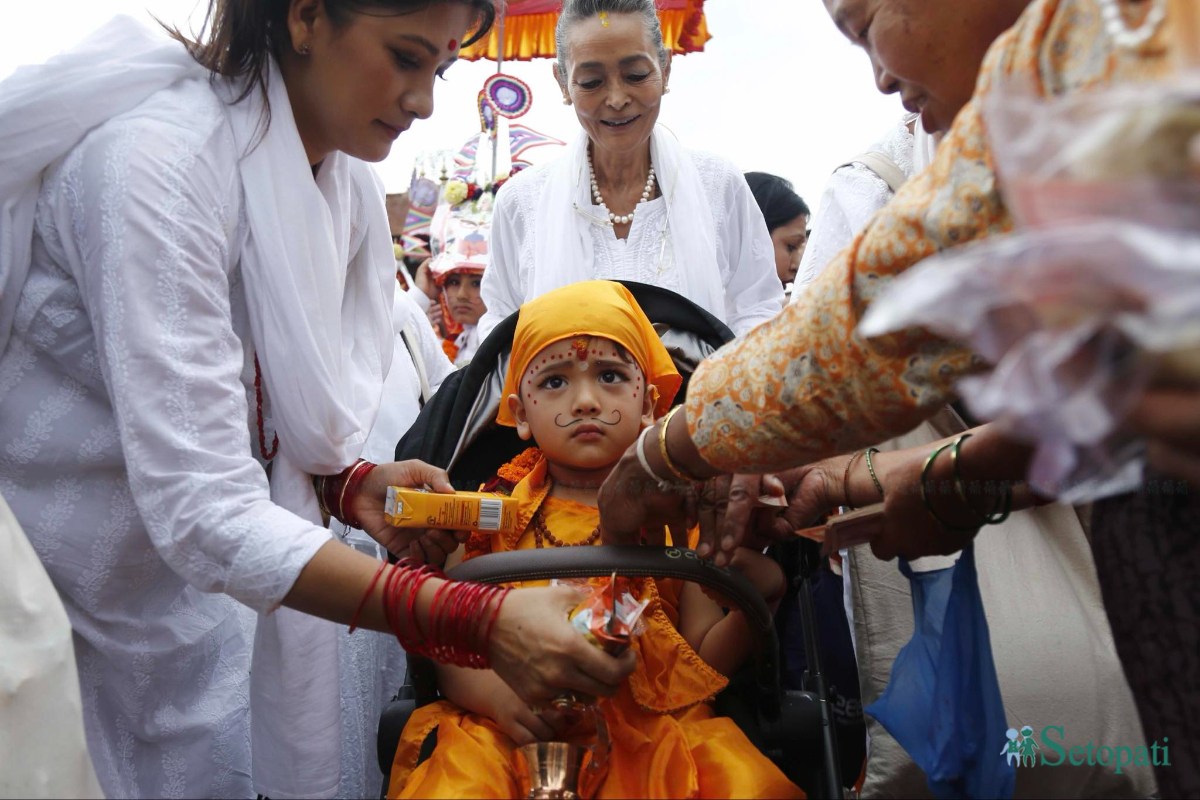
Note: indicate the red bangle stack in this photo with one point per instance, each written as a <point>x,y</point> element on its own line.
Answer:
<point>459,625</point>
<point>336,493</point>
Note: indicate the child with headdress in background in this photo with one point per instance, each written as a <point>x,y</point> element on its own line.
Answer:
<point>460,241</point>
<point>458,295</point>
<point>587,373</point>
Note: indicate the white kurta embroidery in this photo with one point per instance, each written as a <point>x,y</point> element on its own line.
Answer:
<point>127,444</point>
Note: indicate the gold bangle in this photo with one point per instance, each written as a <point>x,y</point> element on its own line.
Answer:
<point>640,448</point>
<point>870,451</point>
<point>662,448</point>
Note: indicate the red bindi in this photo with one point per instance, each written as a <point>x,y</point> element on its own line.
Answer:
<point>453,44</point>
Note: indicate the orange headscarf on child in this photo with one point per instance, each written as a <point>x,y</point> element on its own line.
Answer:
<point>590,308</point>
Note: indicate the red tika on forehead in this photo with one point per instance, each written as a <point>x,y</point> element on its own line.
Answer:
<point>453,44</point>
<point>580,346</point>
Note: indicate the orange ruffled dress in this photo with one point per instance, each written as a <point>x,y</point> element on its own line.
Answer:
<point>666,741</point>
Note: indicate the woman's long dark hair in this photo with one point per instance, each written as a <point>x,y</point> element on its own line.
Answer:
<point>776,198</point>
<point>240,36</point>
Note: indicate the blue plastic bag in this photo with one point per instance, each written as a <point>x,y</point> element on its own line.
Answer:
<point>942,702</point>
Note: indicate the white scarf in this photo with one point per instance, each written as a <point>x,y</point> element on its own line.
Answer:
<point>46,109</point>
<point>320,318</point>
<point>563,251</point>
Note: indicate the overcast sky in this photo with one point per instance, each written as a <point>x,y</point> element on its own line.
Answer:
<point>777,89</point>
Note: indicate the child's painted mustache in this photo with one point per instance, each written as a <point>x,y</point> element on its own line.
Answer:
<point>616,413</point>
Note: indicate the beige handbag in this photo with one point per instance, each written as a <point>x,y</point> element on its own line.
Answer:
<point>1051,641</point>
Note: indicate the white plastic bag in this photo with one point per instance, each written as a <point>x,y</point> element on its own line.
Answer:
<point>1075,320</point>
<point>1095,294</point>
<point>1122,153</point>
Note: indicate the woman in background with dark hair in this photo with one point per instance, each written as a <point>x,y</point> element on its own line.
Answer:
<point>195,327</point>
<point>787,218</point>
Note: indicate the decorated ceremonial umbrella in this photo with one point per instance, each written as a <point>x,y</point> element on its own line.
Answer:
<point>524,30</point>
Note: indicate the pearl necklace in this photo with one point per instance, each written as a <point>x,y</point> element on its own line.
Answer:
<point>618,219</point>
<point>1119,32</point>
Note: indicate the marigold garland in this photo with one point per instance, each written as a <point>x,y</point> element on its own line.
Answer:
<point>516,470</point>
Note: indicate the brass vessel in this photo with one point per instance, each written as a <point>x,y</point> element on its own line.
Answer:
<point>551,770</point>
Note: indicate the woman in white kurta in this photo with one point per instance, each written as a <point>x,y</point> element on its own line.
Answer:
<point>193,301</point>
<point>628,202</point>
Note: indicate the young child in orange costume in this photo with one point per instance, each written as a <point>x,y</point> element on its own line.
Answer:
<point>587,374</point>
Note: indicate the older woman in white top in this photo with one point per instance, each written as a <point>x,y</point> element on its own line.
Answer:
<point>628,202</point>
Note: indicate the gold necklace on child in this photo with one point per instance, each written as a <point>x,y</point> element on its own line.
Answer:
<point>542,534</point>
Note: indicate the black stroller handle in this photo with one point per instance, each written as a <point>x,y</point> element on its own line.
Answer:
<point>636,561</point>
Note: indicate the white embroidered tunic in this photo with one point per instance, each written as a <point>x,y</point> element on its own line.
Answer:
<point>745,257</point>
<point>852,196</point>
<point>129,444</point>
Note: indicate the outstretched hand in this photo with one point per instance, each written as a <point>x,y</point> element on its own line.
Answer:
<point>732,516</point>
<point>637,510</point>
<point>423,544</point>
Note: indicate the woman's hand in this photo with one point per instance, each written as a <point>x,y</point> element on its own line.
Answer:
<point>423,544</point>
<point>1169,418</point>
<point>908,529</point>
<point>633,506</point>
<point>732,514</point>
<point>814,491</point>
<point>536,651</point>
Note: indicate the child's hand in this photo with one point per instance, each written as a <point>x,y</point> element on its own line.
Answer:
<point>436,545</point>
<point>424,280</point>
<point>766,576</point>
<point>518,721</point>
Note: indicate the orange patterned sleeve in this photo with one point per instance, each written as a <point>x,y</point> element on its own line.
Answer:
<point>805,385</point>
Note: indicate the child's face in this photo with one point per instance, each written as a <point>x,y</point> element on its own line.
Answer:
<point>584,401</point>
<point>462,297</point>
